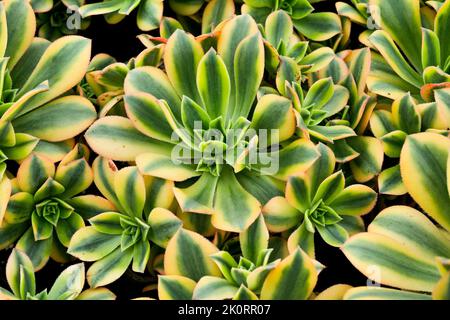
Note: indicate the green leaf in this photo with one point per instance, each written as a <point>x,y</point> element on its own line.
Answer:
<point>175,288</point>
<point>384,43</point>
<point>294,278</point>
<point>405,115</point>
<point>401,19</point>
<point>423,166</point>
<point>254,239</point>
<point>375,293</point>
<point>354,200</point>
<point>213,288</point>
<point>20,274</point>
<point>370,160</point>
<point>69,283</point>
<point>149,14</point>
<point>129,187</point>
<point>116,138</point>
<point>278,28</point>
<point>412,229</point>
<point>88,244</point>
<point>188,254</point>
<point>21,27</point>
<point>213,83</point>
<point>396,265</point>
<point>431,50</point>
<point>163,225</point>
<point>182,55</point>
<point>279,215</point>
<point>319,26</point>
<point>276,115</point>
<point>442,28</point>
<point>37,251</point>
<point>109,268</point>
<point>63,64</point>
<point>234,208</point>
<point>390,181</point>
<point>215,12</point>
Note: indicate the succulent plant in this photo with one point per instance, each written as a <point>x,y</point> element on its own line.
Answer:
<point>315,26</point>
<point>121,235</point>
<point>192,121</point>
<point>68,286</point>
<point>318,200</point>
<point>39,213</point>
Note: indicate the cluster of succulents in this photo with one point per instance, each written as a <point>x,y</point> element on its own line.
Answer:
<point>245,138</point>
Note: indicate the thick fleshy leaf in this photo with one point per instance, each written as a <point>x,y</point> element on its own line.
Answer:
<point>293,278</point>
<point>245,294</point>
<point>302,238</point>
<point>109,268</point>
<point>254,239</point>
<point>248,73</point>
<point>234,208</point>
<point>213,83</point>
<point>215,12</point>
<point>232,36</point>
<point>69,283</point>
<point>129,187</point>
<point>175,288</point>
<point>337,291</point>
<point>155,82</point>
<point>442,28</point>
<point>319,94</point>
<point>63,64</point>
<point>431,50</point>
<point>88,244</point>
<point>182,55</point>
<point>116,138</point>
<point>141,255</point>
<point>354,200</point>
<point>384,43</point>
<point>319,26</point>
<point>19,207</point>
<point>96,294</point>
<point>405,115</point>
<point>66,228</point>
<point>20,274</point>
<point>413,229</point>
<point>278,28</point>
<point>107,222</point>
<point>393,143</point>
<point>25,144</point>
<point>37,251</point>
<point>370,159</point>
<point>376,293</point>
<point>330,188</point>
<point>163,165</point>
<point>397,265</point>
<point>292,160</point>
<point>318,59</point>
<point>20,30</point>
<point>401,19</point>
<point>390,181</point>
<point>276,115</point>
<point>5,193</point>
<point>279,215</point>
<point>89,206</point>
<point>187,254</point>
<point>33,172</point>
<point>423,166</point>
<point>76,177</point>
<point>163,225</point>
<point>213,288</point>
<point>149,14</point>
<point>147,116</point>
<point>333,234</point>
<point>185,8</point>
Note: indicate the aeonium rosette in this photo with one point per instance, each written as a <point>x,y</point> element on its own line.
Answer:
<point>231,162</point>
<point>39,215</point>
